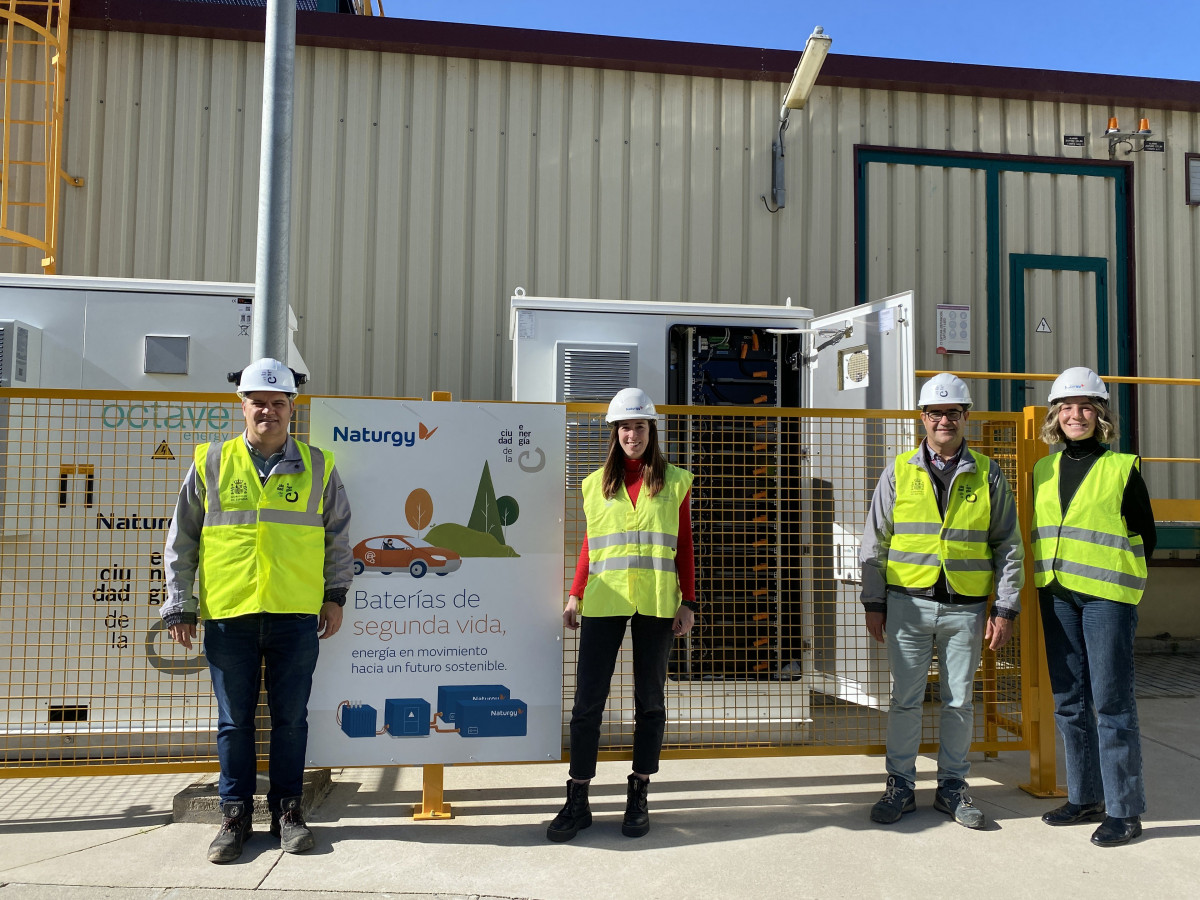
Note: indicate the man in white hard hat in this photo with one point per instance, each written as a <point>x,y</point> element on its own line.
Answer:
<point>941,537</point>
<point>262,520</point>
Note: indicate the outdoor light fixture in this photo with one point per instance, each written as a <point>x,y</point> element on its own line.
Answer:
<point>1116,136</point>
<point>803,79</point>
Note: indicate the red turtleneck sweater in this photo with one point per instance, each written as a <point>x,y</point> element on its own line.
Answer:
<point>685,554</point>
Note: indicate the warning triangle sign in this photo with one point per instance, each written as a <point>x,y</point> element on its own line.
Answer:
<point>1043,326</point>
<point>163,452</point>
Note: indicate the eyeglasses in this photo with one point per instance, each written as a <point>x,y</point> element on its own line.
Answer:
<point>936,415</point>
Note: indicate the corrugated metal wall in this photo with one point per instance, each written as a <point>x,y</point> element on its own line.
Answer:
<point>427,188</point>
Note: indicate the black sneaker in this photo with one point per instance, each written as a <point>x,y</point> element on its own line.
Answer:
<point>1114,831</point>
<point>288,825</point>
<point>1073,813</point>
<point>952,798</point>
<point>235,830</point>
<point>897,799</point>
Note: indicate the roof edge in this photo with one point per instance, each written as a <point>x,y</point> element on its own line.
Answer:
<point>241,23</point>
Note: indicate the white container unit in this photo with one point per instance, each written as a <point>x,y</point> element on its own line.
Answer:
<point>87,487</point>
<point>702,354</point>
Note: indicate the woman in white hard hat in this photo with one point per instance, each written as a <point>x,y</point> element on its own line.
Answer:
<point>638,567</point>
<point>1093,530</point>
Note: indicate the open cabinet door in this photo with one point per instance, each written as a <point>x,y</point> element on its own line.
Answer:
<point>862,357</point>
<point>858,359</point>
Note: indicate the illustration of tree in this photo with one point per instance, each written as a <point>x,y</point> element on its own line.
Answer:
<point>485,515</point>
<point>509,511</point>
<point>418,509</point>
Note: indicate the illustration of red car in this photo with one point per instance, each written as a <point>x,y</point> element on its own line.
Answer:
<point>388,553</point>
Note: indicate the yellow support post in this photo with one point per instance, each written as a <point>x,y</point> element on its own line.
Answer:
<point>433,805</point>
<point>1037,704</point>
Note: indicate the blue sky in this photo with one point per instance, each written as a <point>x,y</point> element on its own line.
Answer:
<point>1154,38</point>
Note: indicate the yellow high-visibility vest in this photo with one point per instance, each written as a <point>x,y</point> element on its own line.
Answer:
<point>262,548</point>
<point>924,544</point>
<point>1089,549</point>
<point>631,549</point>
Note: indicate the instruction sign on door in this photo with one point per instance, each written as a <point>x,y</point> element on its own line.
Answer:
<point>953,329</point>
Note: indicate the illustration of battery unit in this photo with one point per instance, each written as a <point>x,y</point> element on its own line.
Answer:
<point>358,720</point>
<point>406,717</point>
<point>491,718</point>
<point>450,695</point>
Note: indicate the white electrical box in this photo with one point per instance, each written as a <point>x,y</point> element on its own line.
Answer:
<point>777,501</point>
<point>130,333</point>
<point>20,354</point>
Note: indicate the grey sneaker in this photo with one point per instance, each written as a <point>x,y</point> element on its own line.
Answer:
<point>952,798</point>
<point>898,798</point>
<point>289,826</point>
<point>235,831</point>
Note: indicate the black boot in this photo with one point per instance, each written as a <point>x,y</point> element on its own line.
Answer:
<point>637,821</point>
<point>235,829</point>
<point>574,815</point>
<point>289,826</point>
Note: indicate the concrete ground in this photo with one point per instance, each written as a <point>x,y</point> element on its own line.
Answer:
<point>794,827</point>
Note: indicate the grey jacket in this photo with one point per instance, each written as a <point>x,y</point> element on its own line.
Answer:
<point>181,557</point>
<point>1004,537</point>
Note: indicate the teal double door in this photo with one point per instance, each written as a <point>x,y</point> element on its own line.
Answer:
<point>1040,249</point>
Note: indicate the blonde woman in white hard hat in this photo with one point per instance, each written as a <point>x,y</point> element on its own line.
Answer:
<point>637,571</point>
<point>1093,530</point>
<point>941,537</point>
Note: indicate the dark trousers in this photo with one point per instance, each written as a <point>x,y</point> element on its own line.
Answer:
<point>1089,652</point>
<point>599,642</point>
<point>236,649</point>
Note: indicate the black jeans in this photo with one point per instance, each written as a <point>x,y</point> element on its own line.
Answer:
<point>599,642</point>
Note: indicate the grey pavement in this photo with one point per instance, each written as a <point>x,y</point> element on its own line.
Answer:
<point>762,827</point>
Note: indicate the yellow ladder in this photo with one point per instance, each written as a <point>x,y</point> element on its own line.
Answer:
<point>35,72</point>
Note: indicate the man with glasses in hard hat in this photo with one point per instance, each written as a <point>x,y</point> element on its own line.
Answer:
<point>940,537</point>
<point>262,519</point>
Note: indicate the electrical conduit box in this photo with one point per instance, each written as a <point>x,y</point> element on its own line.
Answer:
<point>406,717</point>
<point>451,694</point>
<point>358,720</point>
<point>491,718</point>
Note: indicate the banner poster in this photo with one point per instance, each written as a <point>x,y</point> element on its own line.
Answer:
<point>450,649</point>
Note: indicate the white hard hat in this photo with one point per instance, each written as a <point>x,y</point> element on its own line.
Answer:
<point>944,388</point>
<point>630,403</point>
<point>1078,381</point>
<point>267,374</point>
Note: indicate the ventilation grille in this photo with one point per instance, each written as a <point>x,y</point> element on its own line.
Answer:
<point>592,373</point>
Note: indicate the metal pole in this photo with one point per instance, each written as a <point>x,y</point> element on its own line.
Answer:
<point>269,336</point>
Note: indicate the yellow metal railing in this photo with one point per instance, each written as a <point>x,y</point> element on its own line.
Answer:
<point>779,662</point>
<point>35,71</point>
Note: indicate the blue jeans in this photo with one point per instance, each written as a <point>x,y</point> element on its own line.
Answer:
<point>915,626</point>
<point>236,649</point>
<point>600,640</point>
<point>1089,651</point>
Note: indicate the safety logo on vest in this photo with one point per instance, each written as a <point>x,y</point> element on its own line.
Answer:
<point>287,492</point>
<point>917,486</point>
<point>967,494</point>
<point>238,489</point>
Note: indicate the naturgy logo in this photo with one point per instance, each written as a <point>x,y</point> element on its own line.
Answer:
<point>373,436</point>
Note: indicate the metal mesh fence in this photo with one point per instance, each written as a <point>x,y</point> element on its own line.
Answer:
<point>779,661</point>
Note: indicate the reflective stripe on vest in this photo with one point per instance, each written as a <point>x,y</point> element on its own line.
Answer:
<point>631,549</point>
<point>262,548</point>
<point>923,543</point>
<point>1089,550</point>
